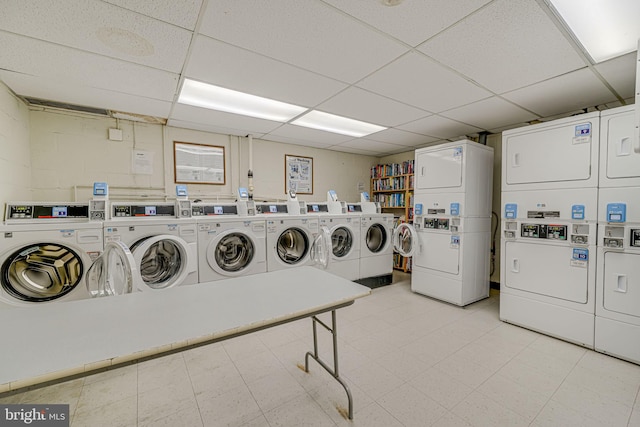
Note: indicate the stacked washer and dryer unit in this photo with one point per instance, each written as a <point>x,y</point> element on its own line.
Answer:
<point>450,240</point>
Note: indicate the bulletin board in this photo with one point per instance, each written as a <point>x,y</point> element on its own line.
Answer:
<point>198,163</point>
<point>298,174</point>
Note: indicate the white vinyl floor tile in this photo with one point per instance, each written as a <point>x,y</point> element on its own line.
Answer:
<point>408,360</point>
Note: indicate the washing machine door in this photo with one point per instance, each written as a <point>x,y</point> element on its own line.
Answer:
<point>293,246</point>
<point>113,273</point>
<point>162,261</point>
<point>41,272</point>
<point>376,238</point>
<point>322,248</point>
<point>406,240</point>
<point>341,241</point>
<point>231,253</point>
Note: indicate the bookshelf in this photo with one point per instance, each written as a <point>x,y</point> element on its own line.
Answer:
<point>392,186</point>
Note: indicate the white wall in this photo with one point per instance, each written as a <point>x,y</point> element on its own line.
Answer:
<point>15,162</point>
<point>70,151</point>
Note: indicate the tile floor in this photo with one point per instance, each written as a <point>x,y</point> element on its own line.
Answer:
<point>409,361</point>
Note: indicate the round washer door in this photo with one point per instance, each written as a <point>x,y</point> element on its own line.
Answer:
<point>113,273</point>
<point>231,253</point>
<point>161,260</point>
<point>405,240</point>
<point>292,246</point>
<point>41,272</point>
<point>376,238</point>
<point>341,241</point>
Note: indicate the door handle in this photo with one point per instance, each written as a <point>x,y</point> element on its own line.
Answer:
<point>516,160</point>
<point>621,283</point>
<point>515,267</point>
<point>624,147</point>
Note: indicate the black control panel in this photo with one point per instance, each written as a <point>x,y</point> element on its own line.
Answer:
<point>435,211</point>
<point>316,208</point>
<point>354,208</point>
<point>543,214</point>
<point>544,231</point>
<point>204,210</point>
<point>47,211</point>
<point>436,223</point>
<point>635,238</point>
<point>271,208</point>
<point>127,211</point>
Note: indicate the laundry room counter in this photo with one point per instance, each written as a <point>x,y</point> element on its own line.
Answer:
<point>61,340</point>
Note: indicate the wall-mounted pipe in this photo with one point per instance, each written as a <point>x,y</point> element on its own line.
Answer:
<point>250,172</point>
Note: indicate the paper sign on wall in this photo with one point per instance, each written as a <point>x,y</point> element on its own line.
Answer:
<point>142,162</point>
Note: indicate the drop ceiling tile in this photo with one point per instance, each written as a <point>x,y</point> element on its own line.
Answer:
<point>620,74</point>
<point>228,66</point>
<point>411,21</point>
<point>375,146</point>
<point>400,137</point>
<point>369,107</point>
<point>418,81</point>
<point>205,127</point>
<point>506,45</point>
<point>183,13</point>
<point>59,63</point>
<point>308,135</point>
<point>573,91</point>
<point>251,125</point>
<point>100,27</point>
<point>70,92</point>
<point>440,127</point>
<point>308,34</point>
<point>490,113</point>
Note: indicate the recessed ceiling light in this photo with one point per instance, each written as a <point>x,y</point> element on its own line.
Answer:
<point>337,124</point>
<point>218,98</point>
<point>605,29</point>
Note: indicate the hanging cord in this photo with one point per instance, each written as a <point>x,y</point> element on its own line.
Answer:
<point>494,230</point>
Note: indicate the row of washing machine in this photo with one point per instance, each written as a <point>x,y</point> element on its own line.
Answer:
<point>53,252</point>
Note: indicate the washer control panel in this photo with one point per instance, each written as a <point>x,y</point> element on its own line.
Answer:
<point>635,238</point>
<point>436,223</point>
<point>544,231</point>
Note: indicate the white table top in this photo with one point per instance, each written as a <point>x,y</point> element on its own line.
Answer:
<point>58,340</point>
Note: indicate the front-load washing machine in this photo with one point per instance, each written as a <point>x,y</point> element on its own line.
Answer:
<point>162,237</point>
<point>344,229</point>
<point>376,248</point>
<point>45,252</point>
<point>290,236</point>
<point>230,243</point>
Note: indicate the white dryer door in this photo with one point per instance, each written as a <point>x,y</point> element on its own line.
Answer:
<point>622,283</point>
<point>406,240</point>
<point>42,272</point>
<point>162,261</point>
<point>439,168</point>
<point>113,273</point>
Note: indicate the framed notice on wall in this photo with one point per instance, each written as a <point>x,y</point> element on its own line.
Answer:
<point>198,163</point>
<point>298,174</point>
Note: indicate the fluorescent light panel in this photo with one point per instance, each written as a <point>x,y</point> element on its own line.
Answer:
<point>606,29</point>
<point>337,124</point>
<point>218,98</point>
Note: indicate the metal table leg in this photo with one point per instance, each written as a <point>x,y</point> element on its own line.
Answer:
<point>335,373</point>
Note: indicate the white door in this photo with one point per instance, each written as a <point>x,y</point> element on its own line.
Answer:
<point>231,253</point>
<point>439,168</point>
<point>406,240</point>
<point>545,270</point>
<point>321,248</point>
<point>622,283</point>
<point>550,155</point>
<point>621,150</point>
<point>113,273</point>
<point>439,251</point>
<point>163,261</point>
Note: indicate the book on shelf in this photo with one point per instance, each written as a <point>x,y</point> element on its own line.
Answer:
<point>392,169</point>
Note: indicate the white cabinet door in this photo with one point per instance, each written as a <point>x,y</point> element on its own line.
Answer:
<point>549,155</point>
<point>545,270</point>
<point>438,253</point>
<point>439,168</point>
<point>620,147</point>
<point>622,283</point>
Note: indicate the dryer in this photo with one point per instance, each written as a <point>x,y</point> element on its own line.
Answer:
<point>230,243</point>
<point>45,252</point>
<point>345,232</point>
<point>617,319</point>
<point>290,234</point>
<point>162,237</point>
<point>549,216</point>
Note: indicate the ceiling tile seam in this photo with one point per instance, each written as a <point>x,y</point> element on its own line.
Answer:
<point>151,17</point>
<point>90,52</point>
<point>181,77</point>
<point>484,99</point>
